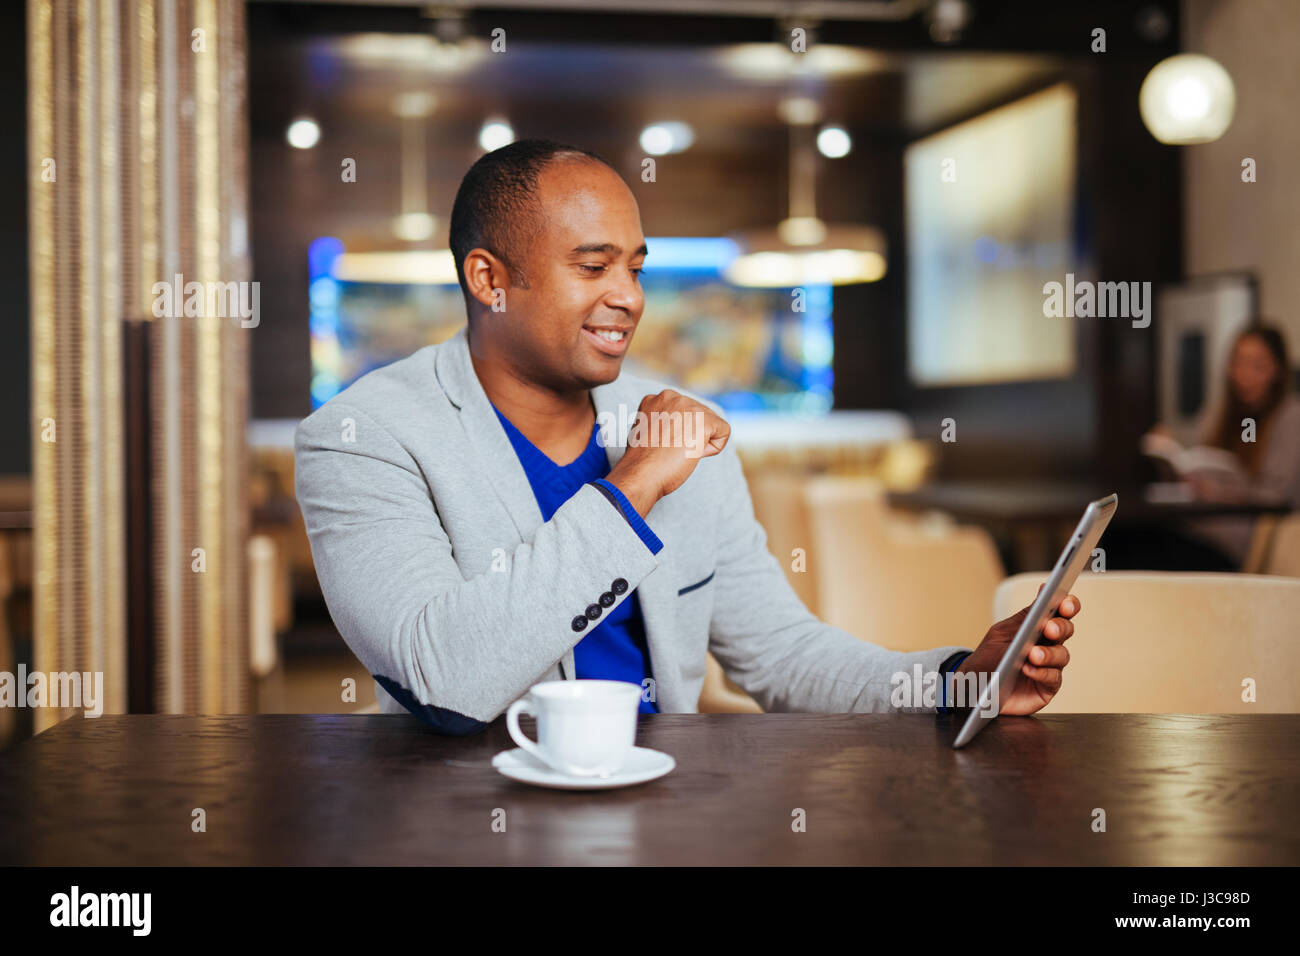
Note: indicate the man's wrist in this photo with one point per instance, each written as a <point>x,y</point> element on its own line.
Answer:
<point>638,496</point>
<point>953,664</point>
<point>632,516</point>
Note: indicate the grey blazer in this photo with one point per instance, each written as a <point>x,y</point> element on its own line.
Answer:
<point>445,582</point>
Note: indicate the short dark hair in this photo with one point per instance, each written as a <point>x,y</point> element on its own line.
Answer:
<point>496,204</point>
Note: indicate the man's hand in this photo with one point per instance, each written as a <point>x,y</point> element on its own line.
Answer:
<point>1040,677</point>
<point>664,447</point>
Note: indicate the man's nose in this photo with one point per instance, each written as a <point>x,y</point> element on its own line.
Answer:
<point>627,294</point>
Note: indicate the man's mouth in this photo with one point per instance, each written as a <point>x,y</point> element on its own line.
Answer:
<point>609,339</point>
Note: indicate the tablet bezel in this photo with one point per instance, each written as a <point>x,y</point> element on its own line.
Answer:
<point>1075,554</point>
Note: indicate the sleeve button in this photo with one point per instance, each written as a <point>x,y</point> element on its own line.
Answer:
<point>593,611</point>
<point>607,599</point>
<point>619,586</point>
<point>579,623</point>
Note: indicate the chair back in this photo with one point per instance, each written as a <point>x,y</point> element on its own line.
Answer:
<point>1173,642</point>
<point>905,585</point>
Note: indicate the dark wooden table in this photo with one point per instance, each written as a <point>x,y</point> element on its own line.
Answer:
<point>1031,520</point>
<point>875,789</point>
<point>1015,502</point>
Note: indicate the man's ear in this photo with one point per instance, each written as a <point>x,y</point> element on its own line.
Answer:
<point>484,273</point>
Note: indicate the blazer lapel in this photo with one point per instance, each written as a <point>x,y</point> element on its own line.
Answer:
<point>496,456</point>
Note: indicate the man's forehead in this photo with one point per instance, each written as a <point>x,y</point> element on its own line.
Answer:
<point>589,210</point>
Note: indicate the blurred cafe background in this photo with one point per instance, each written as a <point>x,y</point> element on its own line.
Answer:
<point>854,211</point>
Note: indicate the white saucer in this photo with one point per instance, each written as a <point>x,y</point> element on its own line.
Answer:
<point>642,764</point>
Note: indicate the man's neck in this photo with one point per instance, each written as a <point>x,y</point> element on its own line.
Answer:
<point>558,423</point>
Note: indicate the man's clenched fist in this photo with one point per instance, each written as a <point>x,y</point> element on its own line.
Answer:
<point>671,434</point>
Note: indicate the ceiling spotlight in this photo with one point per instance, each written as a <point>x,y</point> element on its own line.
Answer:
<point>495,134</point>
<point>802,248</point>
<point>801,230</point>
<point>834,142</point>
<point>413,226</point>
<point>1152,24</point>
<point>447,24</point>
<point>767,62</point>
<point>799,110</point>
<point>846,254</point>
<point>408,267</point>
<point>660,139</point>
<point>303,133</point>
<point>947,20</point>
<point>1188,98</point>
<point>414,104</point>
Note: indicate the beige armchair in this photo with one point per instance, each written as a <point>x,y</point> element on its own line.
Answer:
<point>779,506</point>
<point>720,696</point>
<point>1165,642</point>
<point>900,582</point>
<point>777,494</point>
<point>1275,546</point>
<point>867,570</point>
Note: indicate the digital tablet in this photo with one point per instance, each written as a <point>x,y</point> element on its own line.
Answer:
<point>1075,555</point>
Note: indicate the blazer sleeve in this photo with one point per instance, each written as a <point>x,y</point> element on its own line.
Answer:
<point>774,648</point>
<point>455,651</point>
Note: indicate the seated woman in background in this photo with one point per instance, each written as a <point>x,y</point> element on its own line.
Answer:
<point>1258,388</point>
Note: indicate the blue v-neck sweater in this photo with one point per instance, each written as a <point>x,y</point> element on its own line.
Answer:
<point>615,649</point>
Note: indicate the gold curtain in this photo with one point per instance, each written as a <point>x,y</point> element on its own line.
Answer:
<point>138,146</point>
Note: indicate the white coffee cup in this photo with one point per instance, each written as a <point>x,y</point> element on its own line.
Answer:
<point>585,728</point>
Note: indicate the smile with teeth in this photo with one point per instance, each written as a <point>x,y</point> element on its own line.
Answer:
<point>611,342</point>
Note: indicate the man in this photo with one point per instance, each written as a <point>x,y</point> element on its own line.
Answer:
<point>482,518</point>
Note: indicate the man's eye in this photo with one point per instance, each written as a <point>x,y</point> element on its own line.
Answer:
<point>591,270</point>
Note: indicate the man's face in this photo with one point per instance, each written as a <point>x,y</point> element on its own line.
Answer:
<point>571,327</point>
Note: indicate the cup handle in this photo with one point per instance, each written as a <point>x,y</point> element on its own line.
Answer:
<point>524,705</point>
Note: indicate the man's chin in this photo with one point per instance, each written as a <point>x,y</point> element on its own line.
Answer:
<point>593,374</point>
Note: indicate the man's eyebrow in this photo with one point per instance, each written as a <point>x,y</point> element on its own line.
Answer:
<point>594,248</point>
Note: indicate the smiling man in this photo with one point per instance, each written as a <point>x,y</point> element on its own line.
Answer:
<point>478,526</point>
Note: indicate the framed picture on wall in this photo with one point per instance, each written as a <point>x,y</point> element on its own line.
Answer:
<point>1197,321</point>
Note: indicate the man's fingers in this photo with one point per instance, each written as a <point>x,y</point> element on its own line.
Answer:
<point>1049,677</point>
<point>1068,607</point>
<point>718,440</point>
<point>1048,655</point>
<point>1058,629</point>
